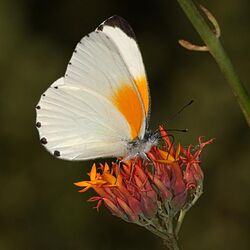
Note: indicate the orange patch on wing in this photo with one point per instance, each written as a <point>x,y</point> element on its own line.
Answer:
<point>127,102</point>
<point>142,85</point>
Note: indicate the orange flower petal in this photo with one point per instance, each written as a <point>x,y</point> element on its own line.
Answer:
<point>109,178</point>
<point>93,172</point>
<point>84,190</point>
<point>106,168</point>
<point>166,161</point>
<point>82,183</point>
<point>98,182</point>
<point>166,155</point>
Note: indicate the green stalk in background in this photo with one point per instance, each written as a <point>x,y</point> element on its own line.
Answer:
<point>219,54</point>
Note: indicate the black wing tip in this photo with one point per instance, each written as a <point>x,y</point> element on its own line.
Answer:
<point>120,22</point>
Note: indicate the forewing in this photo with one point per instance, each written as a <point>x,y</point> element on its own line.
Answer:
<point>123,36</point>
<point>97,64</point>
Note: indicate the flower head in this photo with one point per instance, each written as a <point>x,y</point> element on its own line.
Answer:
<point>150,192</point>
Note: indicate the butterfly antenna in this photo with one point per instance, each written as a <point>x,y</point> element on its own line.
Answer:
<point>180,110</point>
<point>171,145</point>
<point>177,130</point>
<point>159,136</point>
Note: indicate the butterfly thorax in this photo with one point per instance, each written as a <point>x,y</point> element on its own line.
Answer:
<point>139,147</point>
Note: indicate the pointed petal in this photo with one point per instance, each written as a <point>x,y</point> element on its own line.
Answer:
<point>82,183</point>
<point>166,156</point>
<point>93,172</point>
<point>106,167</point>
<point>109,178</point>
<point>84,190</point>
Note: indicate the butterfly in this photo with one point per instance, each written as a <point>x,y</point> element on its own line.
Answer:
<point>101,106</point>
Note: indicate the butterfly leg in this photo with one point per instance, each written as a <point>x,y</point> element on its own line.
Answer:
<point>151,163</point>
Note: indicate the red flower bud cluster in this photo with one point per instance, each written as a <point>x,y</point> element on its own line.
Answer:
<point>150,192</point>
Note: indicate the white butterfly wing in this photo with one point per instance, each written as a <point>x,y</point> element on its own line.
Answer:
<point>96,109</point>
<point>123,36</point>
<point>76,123</point>
<point>98,64</point>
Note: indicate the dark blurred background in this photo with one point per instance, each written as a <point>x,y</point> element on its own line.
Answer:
<point>40,207</point>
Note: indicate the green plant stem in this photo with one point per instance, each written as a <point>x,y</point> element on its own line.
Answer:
<point>180,220</point>
<point>219,54</point>
<point>199,192</point>
<point>172,242</point>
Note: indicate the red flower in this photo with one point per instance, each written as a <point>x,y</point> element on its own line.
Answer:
<point>150,193</point>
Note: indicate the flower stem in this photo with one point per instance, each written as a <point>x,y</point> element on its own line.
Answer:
<point>179,221</point>
<point>183,212</point>
<point>172,242</point>
<point>217,51</point>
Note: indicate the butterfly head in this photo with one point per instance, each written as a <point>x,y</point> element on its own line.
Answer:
<point>139,147</point>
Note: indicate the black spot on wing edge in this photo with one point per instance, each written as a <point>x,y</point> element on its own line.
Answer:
<point>44,140</point>
<point>38,124</point>
<point>57,153</point>
<point>117,21</point>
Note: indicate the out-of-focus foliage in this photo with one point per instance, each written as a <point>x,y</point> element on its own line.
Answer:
<point>39,206</point>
